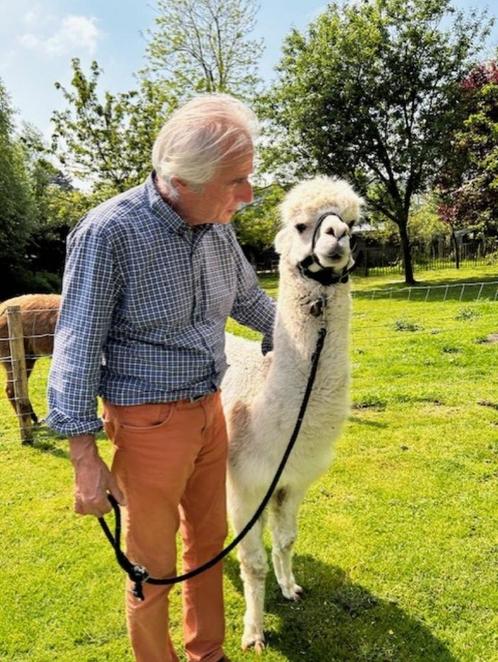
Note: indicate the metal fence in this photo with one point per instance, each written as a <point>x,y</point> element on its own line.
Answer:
<point>385,260</point>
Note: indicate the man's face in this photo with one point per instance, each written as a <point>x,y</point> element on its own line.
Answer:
<point>218,200</point>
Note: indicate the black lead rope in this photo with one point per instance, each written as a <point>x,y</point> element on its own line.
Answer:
<point>139,575</point>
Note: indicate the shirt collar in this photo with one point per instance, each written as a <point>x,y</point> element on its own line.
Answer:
<point>173,221</point>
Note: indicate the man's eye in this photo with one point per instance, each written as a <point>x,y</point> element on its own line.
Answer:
<point>301,227</point>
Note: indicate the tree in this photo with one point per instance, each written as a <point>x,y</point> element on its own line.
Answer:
<point>425,222</point>
<point>256,224</point>
<point>468,184</point>
<point>203,46</point>
<point>370,93</point>
<point>58,206</point>
<point>108,141</point>
<point>17,206</point>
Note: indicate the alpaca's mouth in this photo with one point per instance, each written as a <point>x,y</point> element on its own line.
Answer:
<point>313,269</point>
<point>330,260</point>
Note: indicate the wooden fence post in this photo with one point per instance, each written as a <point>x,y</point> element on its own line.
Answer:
<point>18,360</point>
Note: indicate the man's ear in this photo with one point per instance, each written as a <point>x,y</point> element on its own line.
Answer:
<point>178,184</point>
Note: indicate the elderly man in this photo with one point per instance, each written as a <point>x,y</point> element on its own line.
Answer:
<point>151,277</point>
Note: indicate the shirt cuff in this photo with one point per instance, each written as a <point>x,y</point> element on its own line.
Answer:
<point>267,343</point>
<point>72,427</point>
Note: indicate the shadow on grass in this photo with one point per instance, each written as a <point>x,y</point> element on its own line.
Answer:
<point>443,289</point>
<point>363,421</point>
<point>340,621</point>
<point>44,440</point>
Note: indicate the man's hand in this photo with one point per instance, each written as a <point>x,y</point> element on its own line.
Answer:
<point>93,480</point>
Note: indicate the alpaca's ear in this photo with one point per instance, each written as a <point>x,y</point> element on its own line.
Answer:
<point>281,240</point>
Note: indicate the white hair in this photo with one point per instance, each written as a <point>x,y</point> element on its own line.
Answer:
<point>200,135</point>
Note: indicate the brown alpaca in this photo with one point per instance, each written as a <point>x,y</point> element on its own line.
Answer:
<point>39,316</point>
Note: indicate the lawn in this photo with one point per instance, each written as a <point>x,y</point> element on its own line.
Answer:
<point>398,541</point>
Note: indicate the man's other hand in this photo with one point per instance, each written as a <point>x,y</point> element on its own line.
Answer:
<point>93,480</point>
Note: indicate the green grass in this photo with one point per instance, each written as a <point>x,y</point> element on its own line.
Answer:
<point>398,541</point>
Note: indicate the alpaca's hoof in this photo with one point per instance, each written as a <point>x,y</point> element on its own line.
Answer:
<point>256,641</point>
<point>293,592</point>
<point>259,647</point>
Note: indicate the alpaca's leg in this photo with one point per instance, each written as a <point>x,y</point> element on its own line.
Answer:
<point>9,386</point>
<point>253,570</point>
<point>283,525</point>
<point>30,364</point>
<point>10,392</point>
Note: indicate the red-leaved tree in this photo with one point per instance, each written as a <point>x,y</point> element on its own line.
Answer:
<point>468,184</point>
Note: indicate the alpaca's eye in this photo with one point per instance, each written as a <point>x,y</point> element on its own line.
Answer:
<point>301,227</point>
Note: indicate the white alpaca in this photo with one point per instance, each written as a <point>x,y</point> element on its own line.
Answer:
<point>262,395</point>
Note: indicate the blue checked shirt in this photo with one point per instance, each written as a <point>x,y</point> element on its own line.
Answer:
<point>144,307</point>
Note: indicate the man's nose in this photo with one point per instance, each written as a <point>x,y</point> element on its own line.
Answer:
<point>245,194</point>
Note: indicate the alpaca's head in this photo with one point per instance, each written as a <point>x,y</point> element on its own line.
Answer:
<point>317,217</point>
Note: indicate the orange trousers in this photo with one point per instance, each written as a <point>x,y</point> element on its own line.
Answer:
<point>170,460</point>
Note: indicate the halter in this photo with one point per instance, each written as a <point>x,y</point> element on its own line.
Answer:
<point>326,275</point>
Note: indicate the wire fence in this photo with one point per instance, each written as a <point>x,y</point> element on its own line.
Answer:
<point>478,291</point>
<point>382,261</point>
<point>26,334</point>
<point>479,301</point>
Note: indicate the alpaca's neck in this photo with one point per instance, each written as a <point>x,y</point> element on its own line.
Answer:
<point>296,329</point>
<point>295,340</point>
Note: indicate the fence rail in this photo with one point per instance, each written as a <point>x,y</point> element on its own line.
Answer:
<point>19,372</point>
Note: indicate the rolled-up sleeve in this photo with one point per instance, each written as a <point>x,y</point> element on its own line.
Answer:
<point>90,290</point>
<point>252,306</point>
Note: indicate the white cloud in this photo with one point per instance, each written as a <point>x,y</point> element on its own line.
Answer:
<point>74,33</point>
<point>29,41</point>
<point>30,16</point>
<point>35,17</point>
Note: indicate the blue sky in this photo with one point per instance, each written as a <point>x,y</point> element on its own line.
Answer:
<point>39,38</point>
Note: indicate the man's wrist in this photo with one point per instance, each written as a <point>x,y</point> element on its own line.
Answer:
<point>82,447</point>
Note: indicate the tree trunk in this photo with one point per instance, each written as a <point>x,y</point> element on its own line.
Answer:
<point>456,247</point>
<point>406,250</point>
